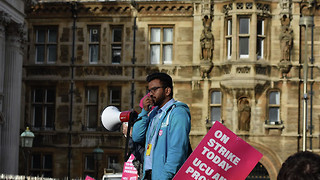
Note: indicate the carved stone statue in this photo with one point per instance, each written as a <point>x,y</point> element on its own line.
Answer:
<point>206,40</point>
<point>244,114</point>
<point>286,38</point>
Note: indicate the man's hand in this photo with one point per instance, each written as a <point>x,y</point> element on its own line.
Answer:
<point>125,129</point>
<point>147,103</point>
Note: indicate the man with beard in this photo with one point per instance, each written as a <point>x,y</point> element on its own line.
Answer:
<point>164,130</point>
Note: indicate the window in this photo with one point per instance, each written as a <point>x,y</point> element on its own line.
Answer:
<point>41,165</point>
<point>115,97</point>
<point>229,38</point>
<point>244,30</point>
<point>260,39</point>
<point>113,163</point>
<point>116,45</point>
<point>92,108</point>
<point>161,45</point>
<point>89,166</point>
<point>274,107</point>
<point>215,106</point>
<point>46,44</point>
<point>258,172</point>
<point>43,106</point>
<point>94,40</point>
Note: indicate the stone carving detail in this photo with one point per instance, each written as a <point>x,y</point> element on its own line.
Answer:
<point>206,39</point>
<point>285,5</point>
<point>226,69</point>
<point>243,70</point>
<point>244,114</point>
<point>227,8</point>
<point>207,46</point>
<point>4,18</point>
<point>239,5</point>
<point>286,43</point>
<point>48,71</point>
<point>261,70</point>
<point>249,5</point>
<point>286,38</point>
<point>205,69</point>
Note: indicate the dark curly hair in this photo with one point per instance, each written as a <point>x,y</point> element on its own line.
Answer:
<point>301,166</point>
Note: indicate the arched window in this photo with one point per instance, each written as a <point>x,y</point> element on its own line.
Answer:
<point>259,172</point>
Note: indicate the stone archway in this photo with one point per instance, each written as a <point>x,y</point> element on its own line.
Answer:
<point>270,160</point>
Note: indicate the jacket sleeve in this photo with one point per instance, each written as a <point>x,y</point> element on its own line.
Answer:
<point>177,141</point>
<point>140,127</point>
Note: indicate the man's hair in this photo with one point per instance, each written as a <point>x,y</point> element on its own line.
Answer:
<point>165,79</point>
<point>301,166</point>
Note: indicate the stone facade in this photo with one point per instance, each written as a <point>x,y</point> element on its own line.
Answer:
<point>239,62</point>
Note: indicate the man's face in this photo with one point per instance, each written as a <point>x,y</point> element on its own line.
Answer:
<point>157,92</point>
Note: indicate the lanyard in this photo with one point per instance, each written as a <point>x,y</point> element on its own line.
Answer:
<point>154,124</point>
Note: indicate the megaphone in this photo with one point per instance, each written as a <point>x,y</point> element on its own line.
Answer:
<point>112,118</point>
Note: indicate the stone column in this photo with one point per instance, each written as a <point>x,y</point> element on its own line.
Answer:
<point>4,20</point>
<point>12,100</point>
<point>253,37</point>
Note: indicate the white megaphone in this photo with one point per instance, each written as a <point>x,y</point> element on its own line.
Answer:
<point>112,118</point>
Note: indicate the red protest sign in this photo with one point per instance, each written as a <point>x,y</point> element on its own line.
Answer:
<point>221,155</point>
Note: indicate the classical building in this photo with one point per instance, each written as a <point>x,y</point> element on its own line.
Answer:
<point>234,61</point>
<point>12,20</point>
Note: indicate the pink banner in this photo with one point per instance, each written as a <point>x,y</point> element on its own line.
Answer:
<point>129,171</point>
<point>89,178</point>
<point>221,155</point>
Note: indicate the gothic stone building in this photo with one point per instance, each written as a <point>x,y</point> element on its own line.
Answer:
<point>240,62</point>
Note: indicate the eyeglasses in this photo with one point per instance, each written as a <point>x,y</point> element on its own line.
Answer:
<point>153,90</point>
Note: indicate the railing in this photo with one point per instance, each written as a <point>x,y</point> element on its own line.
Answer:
<point>20,177</point>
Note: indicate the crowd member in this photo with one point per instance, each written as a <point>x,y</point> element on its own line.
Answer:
<point>301,166</point>
<point>164,129</point>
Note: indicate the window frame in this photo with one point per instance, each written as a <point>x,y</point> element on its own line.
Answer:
<point>116,168</point>
<point>92,44</point>
<point>244,36</point>
<point>86,164</point>
<point>215,105</point>
<point>46,44</point>
<point>42,161</point>
<point>43,105</point>
<point>261,39</point>
<point>111,97</point>
<point>274,106</point>
<point>116,45</point>
<point>88,107</point>
<point>162,44</point>
<point>228,38</point>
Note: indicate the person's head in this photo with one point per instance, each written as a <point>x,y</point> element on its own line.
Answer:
<point>160,87</point>
<point>301,166</point>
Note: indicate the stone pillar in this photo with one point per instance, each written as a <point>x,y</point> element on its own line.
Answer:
<point>253,37</point>
<point>4,20</point>
<point>12,100</point>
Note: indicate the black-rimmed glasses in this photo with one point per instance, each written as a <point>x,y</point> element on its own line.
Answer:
<point>154,89</point>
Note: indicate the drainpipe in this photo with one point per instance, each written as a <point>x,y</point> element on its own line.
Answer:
<point>306,21</point>
<point>133,58</point>
<point>74,16</point>
<point>311,86</point>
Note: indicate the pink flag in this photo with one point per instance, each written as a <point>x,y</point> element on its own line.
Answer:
<point>221,155</point>
<point>89,178</point>
<point>129,171</point>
